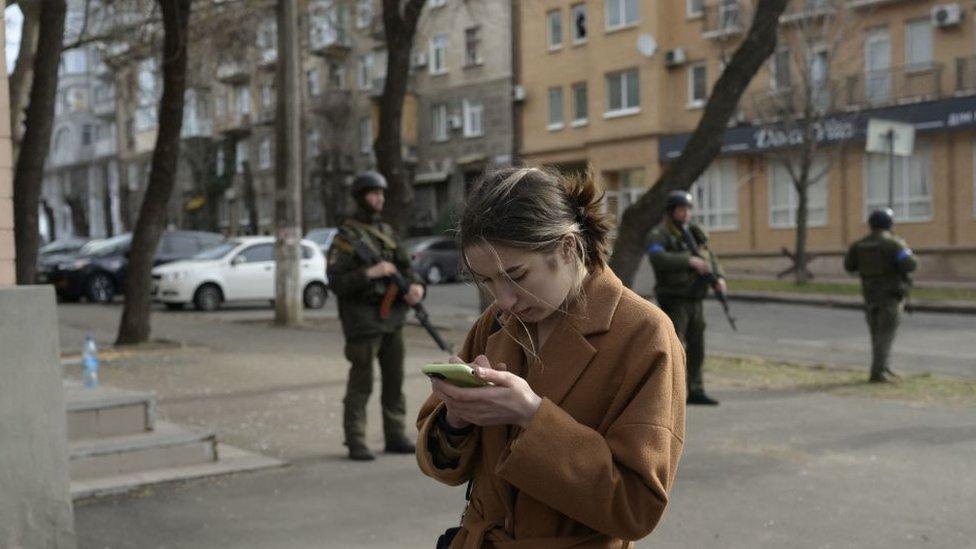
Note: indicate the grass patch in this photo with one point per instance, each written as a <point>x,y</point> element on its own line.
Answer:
<point>762,374</point>
<point>845,288</point>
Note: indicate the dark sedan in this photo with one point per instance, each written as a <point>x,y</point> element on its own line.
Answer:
<point>435,258</point>
<point>99,269</point>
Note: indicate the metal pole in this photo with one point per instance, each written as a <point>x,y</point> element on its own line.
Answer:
<point>288,169</point>
<point>891,169</point>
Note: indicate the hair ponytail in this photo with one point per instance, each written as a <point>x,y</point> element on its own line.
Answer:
<point>586,202</point>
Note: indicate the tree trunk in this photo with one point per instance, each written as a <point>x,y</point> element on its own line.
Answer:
<point>20,78</point>
<point>39,120</point>
<point>802,214</point>
<point>77,201</point>
<point>107,202</point>
<point>705,143</point>
<point>250,199</point>
<point>400,27</point>
<point>134,326</point>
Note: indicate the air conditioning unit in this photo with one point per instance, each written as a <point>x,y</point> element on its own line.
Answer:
<point>946,15</point>
<point>455,122</point>
<point>420,59</point>
<point>518,94</point>
<point>675,57</point>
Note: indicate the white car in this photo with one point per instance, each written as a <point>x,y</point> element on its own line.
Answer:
<point>240,269</point>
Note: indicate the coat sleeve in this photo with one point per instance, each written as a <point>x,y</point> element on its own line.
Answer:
<point>430,449</point>
<point>850,260</point>
<point>617,483</point>
<point>661,258</point>
<point>347,275</point>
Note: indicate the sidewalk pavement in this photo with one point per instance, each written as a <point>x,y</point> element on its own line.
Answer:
<point>955,306</point>
<point>766,469</point>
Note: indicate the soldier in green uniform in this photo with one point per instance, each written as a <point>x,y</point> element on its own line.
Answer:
<point>884,262</point>
<point>372,315</point>
<point>680,286</point>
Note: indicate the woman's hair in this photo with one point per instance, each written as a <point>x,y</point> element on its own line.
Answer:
<point>536,209</point>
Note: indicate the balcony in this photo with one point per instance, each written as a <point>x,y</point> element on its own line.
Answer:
<point>236,124</point>
<point>792,103</point>
<point>104,107</point>
<point>723,20</point>
<point>965,76</point>
<point>267,58</point>
<point>375,91</point>
<point>233,72</point>
<point>800,11</point>
<point>329,43</point>
<point>895,86</point>
<point>196,126</point>
<point>106,147</point>
<point>332,103</point>
<point>266,115</point>
<point>865,4</point>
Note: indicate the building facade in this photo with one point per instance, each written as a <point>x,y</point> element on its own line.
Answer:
<point>7,255</point>
<point>599,94</point>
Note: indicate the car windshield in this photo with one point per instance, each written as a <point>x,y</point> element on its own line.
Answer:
<point>107,246</point>
<point>218,251</point>
<point>321,237</point>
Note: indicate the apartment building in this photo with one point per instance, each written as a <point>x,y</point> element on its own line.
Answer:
<point>598,92</point>
<point>462,79</point>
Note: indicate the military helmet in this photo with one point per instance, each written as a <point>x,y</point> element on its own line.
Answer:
<point>679,198</point>
<point>367,181</point>
<point>881,219</point>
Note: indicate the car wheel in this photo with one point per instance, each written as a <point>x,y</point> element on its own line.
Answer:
<point>434,275</point>
<point>175,306</point>
<point>207,298</point>
<point>100,288</point>
<point>315,296</point>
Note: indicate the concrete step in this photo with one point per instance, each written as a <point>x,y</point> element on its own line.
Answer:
<point>232,460</point>
<point>164,447</point>
<point>107,412</point>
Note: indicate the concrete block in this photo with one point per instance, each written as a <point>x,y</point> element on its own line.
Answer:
<point>169,446</point>
<point>107,422</point>
<point>35,501</point>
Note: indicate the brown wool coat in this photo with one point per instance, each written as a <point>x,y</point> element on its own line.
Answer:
<point>596,464</point>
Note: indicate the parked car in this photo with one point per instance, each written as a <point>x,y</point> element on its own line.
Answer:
<point>97,272</point>
<point>323,238</point>
<point>57,251</point>
<point>435,258</point>
<point>240,269</point>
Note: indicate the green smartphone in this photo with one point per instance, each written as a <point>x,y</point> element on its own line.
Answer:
<point>459,375</point>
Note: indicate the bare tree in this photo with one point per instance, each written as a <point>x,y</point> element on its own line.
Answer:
<point>29,170</point>
<point>705,143</point>
<point>400,19</point>
<point>796,112</point>
<point>23,73</point>
<point>134,326</point>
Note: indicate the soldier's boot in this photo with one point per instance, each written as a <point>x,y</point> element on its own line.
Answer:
<point>698,397</point>
<point>399,444</point>
<point>358,451</point>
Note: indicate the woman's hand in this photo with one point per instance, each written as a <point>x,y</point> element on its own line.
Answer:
<point>509,402</point>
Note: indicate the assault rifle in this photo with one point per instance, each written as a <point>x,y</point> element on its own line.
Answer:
<point>403,286</point>
<point>708,278</point>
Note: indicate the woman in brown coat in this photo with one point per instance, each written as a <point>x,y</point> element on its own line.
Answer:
<point>578,441</point>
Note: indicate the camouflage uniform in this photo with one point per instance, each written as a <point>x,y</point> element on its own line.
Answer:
<point>367,333</point>
<point>680,291</point>
<point>884,262</point>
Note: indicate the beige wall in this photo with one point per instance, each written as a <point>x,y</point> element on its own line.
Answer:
<point>6,181</point>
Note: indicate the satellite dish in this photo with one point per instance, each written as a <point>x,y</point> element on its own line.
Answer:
<point>646,45</point>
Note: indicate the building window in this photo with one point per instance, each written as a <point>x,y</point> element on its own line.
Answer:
<point>438,122</point>
<point>312,138</point>
<point>696,8</point>
<point>219,160</point>
<point>783,197</point>
<point>717,196</point>
<point>877,65</point>
<point>697,85</point>
<point>86,134</point>
<point>243,97</point>
<point>365,135</point>
<point>781,70</point>
<point>474,119</point>
<point>364,13</point>
<point>314,85</point>
<point>438,54</point>
<point>918,44</point>
<point>580,104</point>
<point>61,138</point>
<point>578,19</point>
<point>267,95</point>
<point>74,62</point>
<point>365,71</point>
<point>555,26</point>
<point>264,153</point>
<point>624,188</point>
<point>912,190</point>
<point>556,109</point>
<point>437,3</point>
<point>243,155</point>
<point>78,99</point>
<point>337,76</point>
<point>623,93</point>
<point>472,42</point>
<point>621,13</point>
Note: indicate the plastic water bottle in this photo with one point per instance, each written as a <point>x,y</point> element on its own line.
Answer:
<point>89,360</point>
